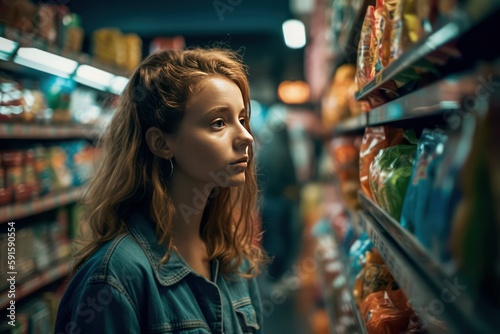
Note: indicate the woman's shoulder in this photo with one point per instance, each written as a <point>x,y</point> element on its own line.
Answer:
<point>118,259</point>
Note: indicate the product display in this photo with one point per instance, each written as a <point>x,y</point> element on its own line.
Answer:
<point>374,140</point>
<point>388,312</point>
<point>389,176</point>
<point>111,47</point>
<point>427,205</point>
<point>429,154</point>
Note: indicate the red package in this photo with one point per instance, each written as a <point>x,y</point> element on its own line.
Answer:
<point>386,312</point>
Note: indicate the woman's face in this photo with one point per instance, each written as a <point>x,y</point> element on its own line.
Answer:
<point>211,145</point>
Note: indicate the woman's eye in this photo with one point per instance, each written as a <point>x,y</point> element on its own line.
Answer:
<point>243,121</point>
<point>218,124</point>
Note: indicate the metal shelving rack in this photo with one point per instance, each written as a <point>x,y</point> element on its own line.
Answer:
<point>438,293</point>
<point>45,203</point>
<point>438,297</point>
<point>462,20</point>
<point>36,282</point>
<point>37,131</point>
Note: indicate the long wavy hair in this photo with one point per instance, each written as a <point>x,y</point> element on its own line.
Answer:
<point>130,176</point>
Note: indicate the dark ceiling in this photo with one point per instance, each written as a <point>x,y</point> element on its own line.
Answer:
<point>254,25</point>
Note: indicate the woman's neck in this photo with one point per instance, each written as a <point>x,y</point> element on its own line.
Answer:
<point>190,199</point>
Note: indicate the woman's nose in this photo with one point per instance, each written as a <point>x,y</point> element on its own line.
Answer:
<point>244,139</point>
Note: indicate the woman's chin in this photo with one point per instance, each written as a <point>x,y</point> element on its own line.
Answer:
<point>237,180</point>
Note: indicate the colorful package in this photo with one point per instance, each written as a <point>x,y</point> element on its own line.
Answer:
<point>375,276</point>
<point>365,64</point>
<point>429,154</point>
<point>357,253</point>
<point>375,139</point>
<point>382,36</point>
<point>345,157</point>
<point>386,312</point>
<point>395,8</point>
<point>390,174</point>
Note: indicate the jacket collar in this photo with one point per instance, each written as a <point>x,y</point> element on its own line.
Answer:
<point>144,232</point>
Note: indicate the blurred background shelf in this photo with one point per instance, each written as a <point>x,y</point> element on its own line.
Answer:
<point>56,131</point>
<point>45,203</point>
<point>36,282</point>
<point>422,278</point>
<point>351,125</point>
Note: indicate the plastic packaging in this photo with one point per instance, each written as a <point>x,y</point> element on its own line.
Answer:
<point>390,174</point>
<point>375,276</point>
<point>375,139</point>
<point>429,155</point>
<point>386,312</point>
<point>365,62</point>
<point>345,156</point>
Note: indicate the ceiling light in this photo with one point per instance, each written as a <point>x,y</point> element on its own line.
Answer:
<point>93,77</point>
<point>294,92</point>
<point>6,48</point>
<point>118,85</point>
<point>45,61</point>
<point>294,33</point>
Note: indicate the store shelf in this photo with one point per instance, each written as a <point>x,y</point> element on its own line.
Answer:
<point>351,125</point>
<point>359,319</point>
<point>35,283</point>
<point>443,98</point>
<point>45,203</point>
<point>423,279</point>
<point>460,21</point>
<point>56,131</point>
<point>14,42</point>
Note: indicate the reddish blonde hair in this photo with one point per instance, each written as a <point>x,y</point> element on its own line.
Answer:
<point>130,176</point>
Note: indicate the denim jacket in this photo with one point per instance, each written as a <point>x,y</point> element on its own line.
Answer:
<point>121,290</point>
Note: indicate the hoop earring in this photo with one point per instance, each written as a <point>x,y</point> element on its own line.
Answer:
<point>171,168</point>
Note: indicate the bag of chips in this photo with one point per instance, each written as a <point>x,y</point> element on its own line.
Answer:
<point>375,139</point>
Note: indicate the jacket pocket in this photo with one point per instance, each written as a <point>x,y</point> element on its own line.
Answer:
<point>247,316</point>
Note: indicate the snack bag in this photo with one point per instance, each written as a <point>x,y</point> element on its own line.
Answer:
<point>366,51</point>
<point>375,276</point>
<point>382,36</point>
<point>386,312</point>
<point>345,156</point>
<point>357,253</point>
<point>375,139</point>
<point>390,174</point>
<point>430,151</point>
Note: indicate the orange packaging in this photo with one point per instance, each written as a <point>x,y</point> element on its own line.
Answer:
<point>375,139</point>
<point>366,51</point>
<point>386,312</point>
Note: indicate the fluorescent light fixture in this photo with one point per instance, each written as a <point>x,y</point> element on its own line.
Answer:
<point>6,48</point>
<point>118,85</point>
<point>295,34</point>
<point>45,61</point>
<point>93,77</point>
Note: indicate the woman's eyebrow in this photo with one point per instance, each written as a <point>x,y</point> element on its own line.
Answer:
<point>223,109</point>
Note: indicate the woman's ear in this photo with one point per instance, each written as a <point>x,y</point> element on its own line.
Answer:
<point>157,143</point>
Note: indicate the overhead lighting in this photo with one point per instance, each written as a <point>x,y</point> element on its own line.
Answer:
<point>294,92</point>
<point>6,48</point>
<point>118,85</point>
<point>93,77</point>
<point>45,61</point>
<point>294,33</point>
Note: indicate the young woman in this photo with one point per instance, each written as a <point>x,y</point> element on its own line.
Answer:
<point>169,212</point>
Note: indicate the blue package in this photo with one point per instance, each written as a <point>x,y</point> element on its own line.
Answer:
<point>430,151</point>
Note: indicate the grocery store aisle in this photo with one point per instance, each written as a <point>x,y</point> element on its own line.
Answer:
<point>280,310</point>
